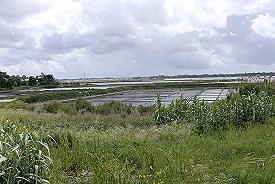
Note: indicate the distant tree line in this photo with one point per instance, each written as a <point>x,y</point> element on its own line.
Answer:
<point>216,75</point>
<point>7,81</point>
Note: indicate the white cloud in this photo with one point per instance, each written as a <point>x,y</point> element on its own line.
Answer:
<point>33,68</point>
<point>264,25</point>
<point>53,66</point>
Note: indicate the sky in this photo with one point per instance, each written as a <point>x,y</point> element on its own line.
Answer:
<point>126,38</point>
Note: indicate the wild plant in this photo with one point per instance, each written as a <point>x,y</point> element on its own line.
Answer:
<point>24,158</point>
<point>237,109</point>
<point>52,107</point>
<point>83,104</point>
<point>161,116</point>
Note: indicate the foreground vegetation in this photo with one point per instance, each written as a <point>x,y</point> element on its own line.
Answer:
<point>238,110</point>
<point>24,157</point>
<point>116,143</point>
<point>131,149</point>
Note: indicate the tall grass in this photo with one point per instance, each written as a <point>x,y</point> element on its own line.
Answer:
<point>122,147</point>
<point>117,149</point>
<point>167,154</point>
<point>238,109</point>
<point>81,106</point>
<point>24,158</point>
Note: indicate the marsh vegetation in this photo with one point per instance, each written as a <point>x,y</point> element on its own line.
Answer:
<point>229,141</point>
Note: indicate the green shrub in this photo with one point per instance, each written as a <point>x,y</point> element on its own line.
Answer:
<point>83,104</point>
<point>16,104</point>
<point>69,109</point>
<point>143,110</point>
<point>30,107</point>
<point>52,107</point>
<point>24,158</point>
<point>114,107</point>
<point>49,96</point>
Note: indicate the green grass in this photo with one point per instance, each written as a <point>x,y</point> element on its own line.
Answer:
<point>252,103</point>
<point>117,143</point>
<point>24,158</point>
<point>93,148</point>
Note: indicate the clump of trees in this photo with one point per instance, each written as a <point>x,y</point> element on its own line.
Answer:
<point>7,81</point>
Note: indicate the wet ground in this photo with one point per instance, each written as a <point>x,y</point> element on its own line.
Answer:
<point>211,95</point>
<point>148,97</point>
<point>65,89</point>
<point>106,85</point>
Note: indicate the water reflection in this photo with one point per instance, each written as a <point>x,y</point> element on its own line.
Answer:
<point>147,97</point>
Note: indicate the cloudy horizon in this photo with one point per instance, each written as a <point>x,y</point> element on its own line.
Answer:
<point>124,38</point>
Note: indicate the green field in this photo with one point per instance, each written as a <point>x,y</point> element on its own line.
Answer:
<point>116,143</point>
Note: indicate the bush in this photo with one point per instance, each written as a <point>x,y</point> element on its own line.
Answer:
<point>143,110</point>
<point>50,96</point>
<point>83,104</point>
<point>52,107</point>
<point>69,109</point>
<point>114,107</point>
<point>16,104</point>
<point>24,158</point>
<point>30,107</point>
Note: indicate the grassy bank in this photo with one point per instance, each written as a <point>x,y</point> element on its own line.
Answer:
<point>131,149</point>
<point>118,143</point>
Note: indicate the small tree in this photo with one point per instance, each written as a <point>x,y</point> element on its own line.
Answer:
<point>4,80</point>
<point>46,79</point>
<point>32,81</point>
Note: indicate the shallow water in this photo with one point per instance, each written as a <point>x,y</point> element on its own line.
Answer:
<point>66,89</point>
<point>175,80</point>
<point>147,97</point>
<point>106,85</point>
<point>204,79</point>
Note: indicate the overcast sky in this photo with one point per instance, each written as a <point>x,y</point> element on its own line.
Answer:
<point>119,38</point>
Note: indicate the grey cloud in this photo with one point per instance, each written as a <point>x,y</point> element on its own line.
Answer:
<point>17,56</point>
<point>152,13</point>
<point>180,60</point>
<point>96,43</point>
<point>247,47</point>
<point>13,10</point>
<point>53,42</point>
<point>37,55</point>
<point>178,53</point>
<point>240,26</point>
<point>244,46</point>
<point>117,38</point>
<point>259,52</point>
<point>11,37</point>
